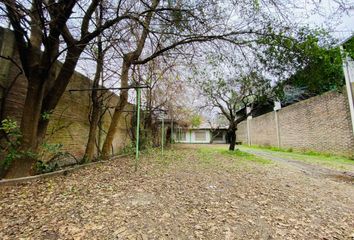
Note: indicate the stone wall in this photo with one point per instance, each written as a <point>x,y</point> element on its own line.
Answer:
<point>321,123</point>
<point>69,123</point>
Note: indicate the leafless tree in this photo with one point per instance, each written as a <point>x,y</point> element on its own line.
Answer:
<point>44,31</point>
<point>181,27</point>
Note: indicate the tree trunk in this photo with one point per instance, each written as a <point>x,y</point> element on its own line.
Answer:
<point>128,60</point>
<point>232,137</point>
<point>31,116</point>
<point>123,99</point>
<point>148,117</point>
<point>53,95</point>
<point>23,165</point>
<point>91,141</point>
<point>95,115</point>
<point>38,100</point>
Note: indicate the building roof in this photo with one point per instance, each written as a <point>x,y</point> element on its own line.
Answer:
<point>209,126</point>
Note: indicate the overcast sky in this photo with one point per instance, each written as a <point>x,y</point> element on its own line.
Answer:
<point>341,24</point>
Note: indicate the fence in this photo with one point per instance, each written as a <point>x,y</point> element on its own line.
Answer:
<point>320,123</point>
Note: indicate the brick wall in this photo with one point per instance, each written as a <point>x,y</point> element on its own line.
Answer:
<point>321,123</point>
<point>69,124</point>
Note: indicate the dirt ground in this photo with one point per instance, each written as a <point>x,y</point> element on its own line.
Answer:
<point>191,192</point>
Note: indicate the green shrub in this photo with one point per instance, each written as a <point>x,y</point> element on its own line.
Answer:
<point>128,149</point>
<point>42,167</point>
<point>13,137</point>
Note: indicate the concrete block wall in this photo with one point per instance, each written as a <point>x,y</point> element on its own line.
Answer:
<point>69,123</point>
<point>321,123</point>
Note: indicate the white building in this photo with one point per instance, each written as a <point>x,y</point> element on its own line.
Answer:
<point>201,134</point>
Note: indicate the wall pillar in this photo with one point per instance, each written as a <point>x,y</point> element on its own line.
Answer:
<point>277,107</point>
<point>249,140</point>
<point>277,127</point>
<point>348,81</point>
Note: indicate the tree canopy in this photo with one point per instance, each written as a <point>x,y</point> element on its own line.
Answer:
<point>264,43</point>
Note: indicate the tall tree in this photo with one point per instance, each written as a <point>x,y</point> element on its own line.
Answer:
<point>232,95</point>
<point>96,98</point>
<point>171,28</point>
<point>39,26</point>
<point>128,60</point>
<point>48,29</point>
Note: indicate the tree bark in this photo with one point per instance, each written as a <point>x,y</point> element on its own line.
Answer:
<point>95,114</point>
<point>148,117</point>
<point>91,141</point>
<point>96,110</point>
<point>31,115</point>
<point>38,100</point>
<point>43,94</point>
<point>21,167</point>
<point>123,99</point>
<point>128,60</point>
<point>53,95</point>
<point>232,137</point>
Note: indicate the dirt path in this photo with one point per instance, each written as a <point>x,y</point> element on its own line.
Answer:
<point>307,168</point>
<point>189,193</point>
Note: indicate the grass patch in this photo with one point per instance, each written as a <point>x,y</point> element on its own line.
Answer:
<point>169,156</point>
<point>245,156</point>
<point>271,148</point>
<point>312,157</point>
<point>211,154</point>
<point>207,156</point>
<point>308,153</point>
